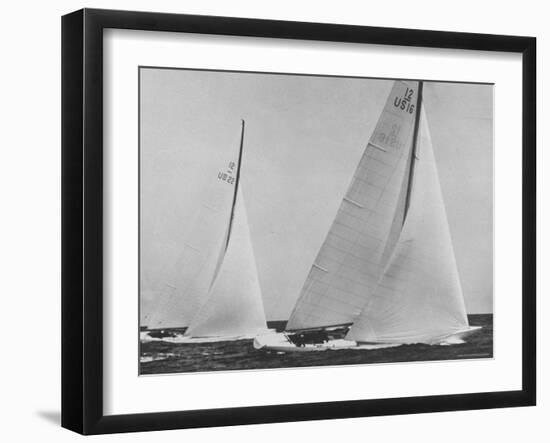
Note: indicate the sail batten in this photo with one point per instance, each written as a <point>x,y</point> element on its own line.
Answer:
<point>374,145</point>
<point>353,202</point>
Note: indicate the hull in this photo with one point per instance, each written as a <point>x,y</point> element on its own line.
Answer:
<point>184,339</point>
<point>280,342</point>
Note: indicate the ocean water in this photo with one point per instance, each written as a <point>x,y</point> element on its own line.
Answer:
<point>165,355</point>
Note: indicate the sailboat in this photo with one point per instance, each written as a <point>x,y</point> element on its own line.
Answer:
<point>216,288</point>
<point>386,274</point>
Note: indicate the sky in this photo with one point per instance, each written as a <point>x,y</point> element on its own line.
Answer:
<point>304,138</point>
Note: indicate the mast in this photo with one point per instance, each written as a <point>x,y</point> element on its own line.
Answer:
<point>413,150</point>
<point>237,177</point>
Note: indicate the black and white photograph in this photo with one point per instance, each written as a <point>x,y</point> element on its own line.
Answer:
<point>303,220</point>
<point>268,222</point>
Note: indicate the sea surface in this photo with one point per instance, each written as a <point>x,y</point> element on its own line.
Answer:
<point>164,355</point>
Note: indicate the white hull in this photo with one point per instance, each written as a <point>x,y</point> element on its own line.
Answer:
<point>184,339</point>
<point>279,342</point>
<point>191,340</point>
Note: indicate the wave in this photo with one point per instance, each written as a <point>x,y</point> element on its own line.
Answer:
<point>155,357</point>
<point>180,338</point>
<point>371,347</point>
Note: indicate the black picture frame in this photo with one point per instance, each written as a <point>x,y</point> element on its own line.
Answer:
<point>82,220</point>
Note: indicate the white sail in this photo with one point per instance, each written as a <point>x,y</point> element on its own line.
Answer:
<point>234,306</point>
<point>419,297</point>
<point>182,294</point>
<point>347,266</point>
<point>189,282</point>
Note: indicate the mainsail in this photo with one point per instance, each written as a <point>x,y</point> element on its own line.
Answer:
<point>419,297</point>
<point>348,265</point>
<point>188,282</point>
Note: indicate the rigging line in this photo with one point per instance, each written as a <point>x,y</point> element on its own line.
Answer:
<point>237,177</point>
<point>413,150</point>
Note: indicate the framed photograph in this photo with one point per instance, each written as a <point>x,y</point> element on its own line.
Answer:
<point>269,221</point>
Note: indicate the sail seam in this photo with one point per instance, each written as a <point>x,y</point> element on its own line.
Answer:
<point>212,208</point>
<point>192,247</point>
